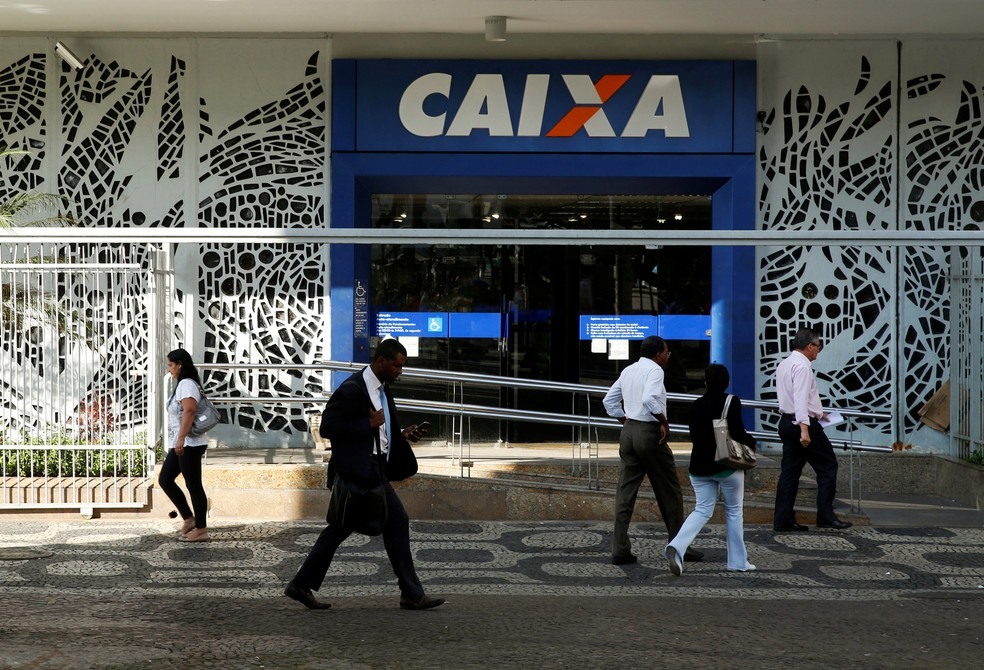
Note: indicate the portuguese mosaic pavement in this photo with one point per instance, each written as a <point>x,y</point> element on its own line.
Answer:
<point>255,561</point>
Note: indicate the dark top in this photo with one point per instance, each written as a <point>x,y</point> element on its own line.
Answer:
<point>702,412</point>
<point>345,421</point>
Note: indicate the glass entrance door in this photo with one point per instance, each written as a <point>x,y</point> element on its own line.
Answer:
<point>538,293</point>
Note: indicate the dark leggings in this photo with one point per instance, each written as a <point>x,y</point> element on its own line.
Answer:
<point>190,465</point>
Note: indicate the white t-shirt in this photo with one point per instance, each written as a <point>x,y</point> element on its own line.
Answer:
<point>187,388</point>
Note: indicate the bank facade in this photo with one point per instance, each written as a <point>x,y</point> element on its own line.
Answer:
<point>804,135</point>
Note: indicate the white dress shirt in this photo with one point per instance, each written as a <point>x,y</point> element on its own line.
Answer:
<point>373,385</point>
<point>638,393</point>
<point>796,387</point>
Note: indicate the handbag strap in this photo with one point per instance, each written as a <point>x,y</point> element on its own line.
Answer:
<point>727,404</point>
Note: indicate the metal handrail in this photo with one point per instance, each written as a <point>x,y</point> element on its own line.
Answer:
<point>485,411</point>
<point>461,410</point>
<point>555,418</point>
<point>479,379</point>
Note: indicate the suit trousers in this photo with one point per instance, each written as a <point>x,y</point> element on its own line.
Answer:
<point>396,540</point>
<point>641,454</point>
<point>820,456</point>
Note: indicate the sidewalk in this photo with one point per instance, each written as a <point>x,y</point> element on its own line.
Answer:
<point>125,594</point>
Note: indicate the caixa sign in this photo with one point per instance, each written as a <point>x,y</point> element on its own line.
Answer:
<point>485,107</point>
<point>545,106</point>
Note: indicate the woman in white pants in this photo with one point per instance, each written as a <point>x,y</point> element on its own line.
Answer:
<point>707,477</point>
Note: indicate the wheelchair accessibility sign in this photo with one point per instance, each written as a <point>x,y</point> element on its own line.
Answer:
<point>412,324</point>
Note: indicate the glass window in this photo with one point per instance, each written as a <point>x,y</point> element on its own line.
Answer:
<point>540,291</point>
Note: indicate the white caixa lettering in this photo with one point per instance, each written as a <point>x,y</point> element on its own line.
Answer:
<point>485,107</point>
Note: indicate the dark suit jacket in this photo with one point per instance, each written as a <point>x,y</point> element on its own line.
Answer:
<point>704,410</point>
<point>345,421</point>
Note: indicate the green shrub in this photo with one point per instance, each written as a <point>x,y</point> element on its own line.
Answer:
<point>85,461</point>
<point>976,457</point>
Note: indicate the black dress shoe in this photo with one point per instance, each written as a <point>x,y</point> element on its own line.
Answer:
<point>836,524</point>
<point>693,556</point>
<point>305,597</point>
<point>624,560</point>
<point>421,603</point>
<point>791,528</point>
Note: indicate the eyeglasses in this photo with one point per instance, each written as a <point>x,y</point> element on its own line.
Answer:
<point>817,345</point>
<point>666,353</point>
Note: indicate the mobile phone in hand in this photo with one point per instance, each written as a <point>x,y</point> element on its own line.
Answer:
<point>424,425</point>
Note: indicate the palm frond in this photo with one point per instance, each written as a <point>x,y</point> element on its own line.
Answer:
<point>23,209</point>
<point>31,208</point>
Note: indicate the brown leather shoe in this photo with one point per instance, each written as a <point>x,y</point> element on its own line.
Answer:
<point>421,603</point>
<point>305,597</point>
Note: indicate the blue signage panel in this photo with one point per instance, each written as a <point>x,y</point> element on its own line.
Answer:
<point>545,106</point>
<point>475,324</point>
<point>614,327</point>
<point>412,324</point>
<point>685,326</point>
<point>641,326</point>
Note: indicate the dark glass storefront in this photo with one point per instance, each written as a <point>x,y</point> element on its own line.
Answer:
<point>539,292</point>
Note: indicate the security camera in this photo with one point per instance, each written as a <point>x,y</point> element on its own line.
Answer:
<point>66,55</point>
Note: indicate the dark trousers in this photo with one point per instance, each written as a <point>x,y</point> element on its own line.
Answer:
<point>189,465</point>
<point>642,455</point>
<point>396,540</point>
<point>820,456</point>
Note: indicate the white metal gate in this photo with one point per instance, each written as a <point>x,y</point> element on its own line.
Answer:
<point>78,332</point>
<point>967,350</point>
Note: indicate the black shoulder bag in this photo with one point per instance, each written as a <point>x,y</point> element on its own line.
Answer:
<point>359,508</point>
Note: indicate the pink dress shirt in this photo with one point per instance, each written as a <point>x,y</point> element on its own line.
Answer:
<point>796,387</point>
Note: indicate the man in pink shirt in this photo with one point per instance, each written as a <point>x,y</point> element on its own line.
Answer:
<point>803,439</point>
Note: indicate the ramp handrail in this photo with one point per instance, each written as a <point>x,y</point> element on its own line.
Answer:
<point>461,411</point>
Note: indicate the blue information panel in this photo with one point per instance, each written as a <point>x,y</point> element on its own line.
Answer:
<point>685,326</point>
<point>439,324</point>
<point>412,324</point>
<point>641,326</point>
<point>614,327</point>
<point>475,324</point>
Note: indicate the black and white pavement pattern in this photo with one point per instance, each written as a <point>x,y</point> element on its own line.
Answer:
<point>255,560</point>
<point>111,593</point>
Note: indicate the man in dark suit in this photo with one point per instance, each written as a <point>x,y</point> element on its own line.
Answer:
<point>368,447</point>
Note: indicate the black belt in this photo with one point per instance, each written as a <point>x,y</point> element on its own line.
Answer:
<point>813,419</point>
<point>628,420</point>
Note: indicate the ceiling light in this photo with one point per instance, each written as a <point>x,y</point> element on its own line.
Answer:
<point>678,217</point>
<point>66,55</point>
<point>495,29</point>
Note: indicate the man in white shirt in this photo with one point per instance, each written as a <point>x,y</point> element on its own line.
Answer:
<point>803,439</point>
<point>638,400</point>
